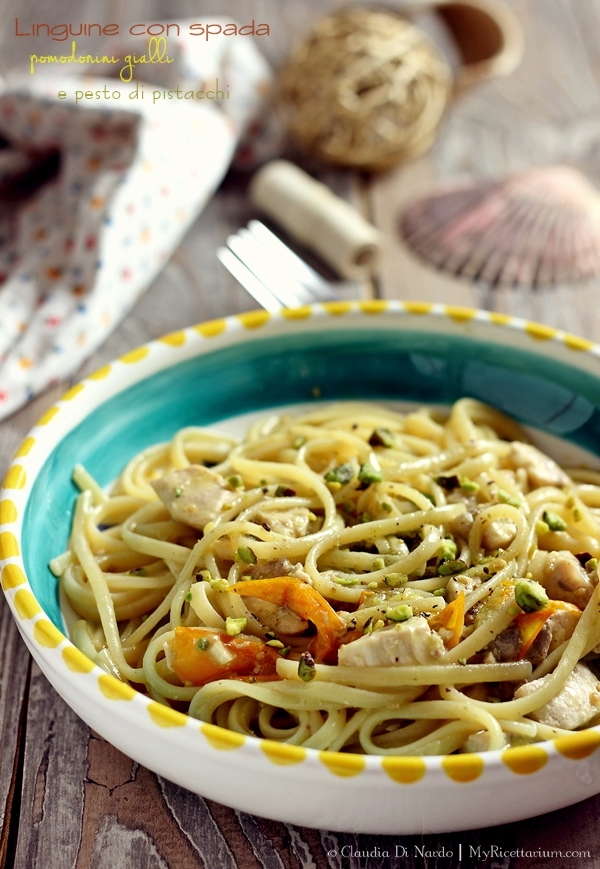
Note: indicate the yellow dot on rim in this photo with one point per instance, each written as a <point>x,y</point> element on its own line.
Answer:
<point>12,576</point>
<point>283,755</point>
<point>46,634</point>
<point>134,355</point>
<point>576,343</point>
<point>76,661</point>
<point>337,308</point>
<point>46,417</point>
<point>373,306</point>
<point>500,319</point>
<point>100,374</point>
<point>296,313</point>
<point>174,339</point>
<point>164,716</point>
<point>210,329</point>
<point>26,605</point>
<point>540,332</point>
<point>405,770</point>
<point>72,392</point>
<point>342,764</point>
<point>114,689</point>
<point>8,511</point>
<point>222,740</point>
<point>463,768</point>
<point>9,548</point>
<point>417,307</point>
<point>524,759</point>
<point>15,478</point>
<point>578,745</point>
<point>460,314</point>
<point>25,448</point>
<point>254,319</point>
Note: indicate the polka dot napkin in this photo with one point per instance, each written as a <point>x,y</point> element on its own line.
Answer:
<point>133,176</point>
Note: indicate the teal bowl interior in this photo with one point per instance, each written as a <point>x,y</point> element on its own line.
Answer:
<point>428,368</point>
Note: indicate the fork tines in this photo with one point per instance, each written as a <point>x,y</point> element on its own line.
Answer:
<point>270,271</point>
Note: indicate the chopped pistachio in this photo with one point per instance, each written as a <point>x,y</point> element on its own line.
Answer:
<point>285,651</point>
<point>307,669</point>
<point>506,498</point>
<point>270,635</point>
<point>395,580</point>
<point>298,442</point>
<point>447,551</point>
<point>382,437</point>
<point>347,580</point>
<point>373,585</point>
<point>530,595</point>
<point>275,644</point>
<point>462,661</point>
<point>378,564</point>
<point>262,482</point>
<point>468,485</point>
<point>369,474</point>
<point>188,596</point>
<point>554,521</point>
<point>440,592</point>
<point>576,515</point>
<point>591,565</point>
<point>399,613</point>
<point>347,506</point>
<point>450,567</point>
<point>233,627</point>
<point>368,626</point>
<point>342,474</point>
<point>219,584</point>
<point>235,481</point>
<point>378,625</point>
<point>541,527</point>
<point>177,492</point>
<point>246,555</point>
<point>202,644</point>
<point>204,575</point>
<point>387,507</point>
<point>365,517</point>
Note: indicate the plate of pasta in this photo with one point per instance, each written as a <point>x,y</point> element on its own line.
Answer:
<point>337,568</point>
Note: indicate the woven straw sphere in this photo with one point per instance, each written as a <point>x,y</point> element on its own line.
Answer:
<point>364,89</point>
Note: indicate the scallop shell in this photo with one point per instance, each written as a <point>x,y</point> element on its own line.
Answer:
<point>539,228</point>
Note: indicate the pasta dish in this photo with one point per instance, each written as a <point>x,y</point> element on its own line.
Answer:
<point>349,579</point>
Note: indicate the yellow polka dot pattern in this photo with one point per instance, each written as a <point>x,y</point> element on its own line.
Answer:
<point>525,759</point>
<point>8,511</point>
<point>48,416</point>
<point>283,755</point>
<point>164,716</point>
<point>345,765</point>
<point>222,740</point>
<point>404,770</point>
<point>113,689</point>
<point>25,448</point>
<point>15,478</point>
<point>463,768</point>
<point>25,604</point>
<point>46,634</point>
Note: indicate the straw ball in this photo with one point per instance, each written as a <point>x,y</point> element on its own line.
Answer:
<point>364,89</point>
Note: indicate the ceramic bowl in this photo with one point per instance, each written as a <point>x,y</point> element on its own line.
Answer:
<point>415,352</point>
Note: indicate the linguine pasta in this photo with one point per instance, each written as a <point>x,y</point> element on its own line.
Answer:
<point>353,578</point>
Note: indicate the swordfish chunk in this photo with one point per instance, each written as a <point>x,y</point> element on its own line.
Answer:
<point>194,495</point>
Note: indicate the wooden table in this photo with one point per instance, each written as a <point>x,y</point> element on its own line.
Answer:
<point>67,798</point>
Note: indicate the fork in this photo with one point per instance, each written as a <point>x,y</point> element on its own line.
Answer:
<point>272,273</point>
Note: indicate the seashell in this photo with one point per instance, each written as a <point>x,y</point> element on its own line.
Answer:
<point>538,228</point>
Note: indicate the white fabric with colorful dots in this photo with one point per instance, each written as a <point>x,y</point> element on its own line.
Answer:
<point>133,177</point>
